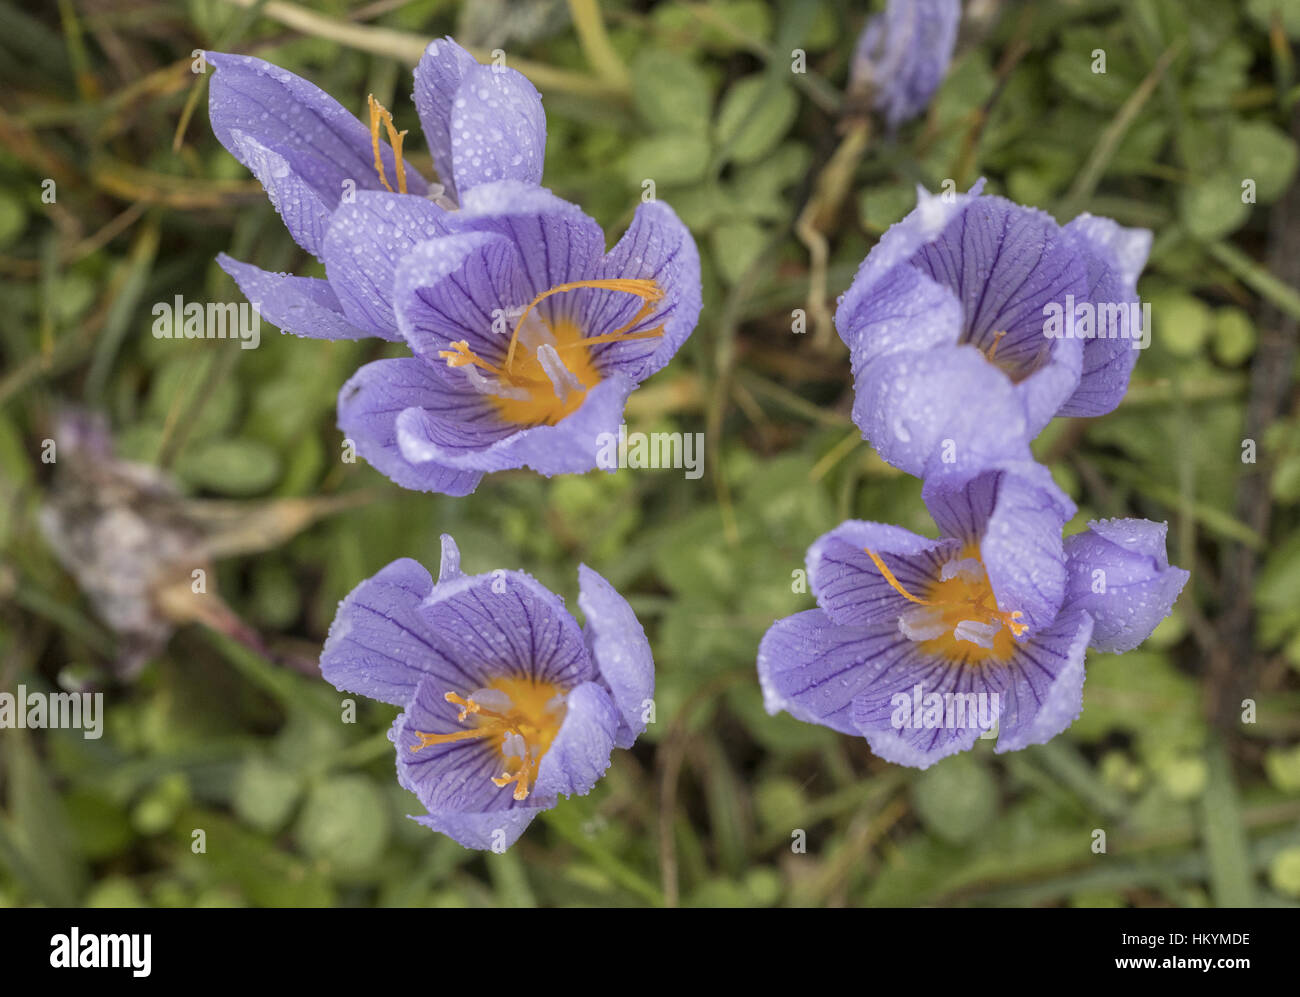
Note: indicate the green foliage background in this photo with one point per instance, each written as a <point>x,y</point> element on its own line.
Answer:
<point>301,809</point>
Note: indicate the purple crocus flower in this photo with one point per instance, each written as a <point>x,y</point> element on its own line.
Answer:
<point>528,337</point>
<point>903,54</point>
<point>508,703</point>
<point>922,645</point>
<point>961,325</point>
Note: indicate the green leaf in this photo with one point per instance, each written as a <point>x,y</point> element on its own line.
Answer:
<point>668,158</point>
<point>1211,208</point>
<point>230,467</point>
<point>344,822</point>
<point>956,799</point>
<point>1261,152</point>
<point>755,115</point>
<point>671,92</point>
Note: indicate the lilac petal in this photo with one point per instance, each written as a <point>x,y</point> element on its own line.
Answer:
<point>903,54</point>
<point>498,128</point>
<point>1115,257</point>
<point>509,624</point>
<point>367,239</point>
<point>618,645</point>
<point>905,309</point>
<point>849,586</point>
<point>580,753</point>
<point>450,777</point>
<point>299,142</point>
<point>482,123</point>
<point>369,405</point>
<point>918,409</point>
<point>858,307</point>
<point>885,710</point>
<point>1044,691</point>
<point>382,644</point>
<point>557,242</point>
<point>457,288</point>
<point>302,306</point>
<point>437,79</point>
<point>1016,516</point>
<point>571,446</point>
<point>494,831</point>
<point>1126,559</point>
<point>812,668</point>
<point>655,246</point>
<point>1007,264</point>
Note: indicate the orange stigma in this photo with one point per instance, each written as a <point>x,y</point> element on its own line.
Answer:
<point>549,378</point>
<point>523,718</point>
<point>959,618</point>
<point>379,115</point>
<point>997,340</point>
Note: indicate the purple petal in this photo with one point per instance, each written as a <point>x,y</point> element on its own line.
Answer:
<point>940,410</point>
<point>579,755</point>
<point>367,239</point>
<point>903,54</point>
<point>303,306</point>
<point>482,123</point>
<point>1007,263</point>
<point>1120,575</point>
<point>369,405</point>
<point>890,710</point>
<point>812,668</point>
<point>297,140</point>
<point>1115,257</point>
<point>457,288</point>
<point>455,776</point>
<point>659,247</point>
<point>1016,516</point>
<point>571,446</point>
<point>556,241</point>
<point>382,644</point>
<point>849,586</point>
<point>509,624</point>
<point>494,831</point>
<point>1044,691</point>
<point>618,645</point>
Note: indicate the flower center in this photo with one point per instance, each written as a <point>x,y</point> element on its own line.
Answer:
<point>548,366</point>
<point>958,618</point>
<point>522,716</point>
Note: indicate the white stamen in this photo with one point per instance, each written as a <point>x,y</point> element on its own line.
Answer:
<point>492,699</point>
<point>921,623</point>
<point>968,569</point>
<point>975,633</point>
<point>562,379</point>
<point>491,386</point>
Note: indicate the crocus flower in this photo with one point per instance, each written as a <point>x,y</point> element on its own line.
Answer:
<point>961,327</point>
<point>528,337</point>
<point>507,702</point>
<point>311,155</point>
<point>1119,573</point>
<point>922,645</point>
<point>902,56</point>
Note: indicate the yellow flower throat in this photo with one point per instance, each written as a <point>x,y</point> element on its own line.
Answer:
<point>958,618</point>
<point>545,377</point>
<point>521,716</point>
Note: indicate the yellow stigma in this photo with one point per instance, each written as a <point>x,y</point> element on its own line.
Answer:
<point>522,732</point>
<point>379,114</point>
<point>964,599</point>
<point>993,350</point>
<point>528,394</point>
